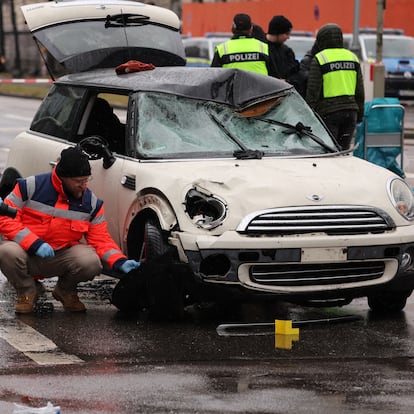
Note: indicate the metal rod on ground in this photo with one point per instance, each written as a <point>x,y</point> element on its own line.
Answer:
<point>229,329</point>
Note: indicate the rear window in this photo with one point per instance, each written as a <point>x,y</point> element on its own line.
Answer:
<point>72,45</point>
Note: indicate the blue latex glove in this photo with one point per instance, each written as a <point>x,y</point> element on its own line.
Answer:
<point>129,265</point>
<point>45,250</point>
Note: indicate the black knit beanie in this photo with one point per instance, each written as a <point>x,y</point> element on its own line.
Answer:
<point>73,163</point>
<point>241,22</point>
<point>279,25</point>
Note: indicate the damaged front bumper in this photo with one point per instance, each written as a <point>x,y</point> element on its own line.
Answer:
<point>312,265</point>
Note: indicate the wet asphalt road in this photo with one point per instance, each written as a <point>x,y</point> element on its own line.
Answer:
<point>106,362</point>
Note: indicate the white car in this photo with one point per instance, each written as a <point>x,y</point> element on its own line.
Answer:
<point>226,174</point>
<point>397,57</point>
<point>200,50</point>
<point>300,43</point>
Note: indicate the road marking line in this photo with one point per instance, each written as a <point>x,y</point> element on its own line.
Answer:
<point>33,344</point>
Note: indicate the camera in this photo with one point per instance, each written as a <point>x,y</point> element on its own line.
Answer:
<point>6,210</point>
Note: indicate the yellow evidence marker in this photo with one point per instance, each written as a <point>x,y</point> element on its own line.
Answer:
<point>285,334</point>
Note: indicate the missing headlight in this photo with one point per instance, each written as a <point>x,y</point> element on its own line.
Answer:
<point>206,211</point>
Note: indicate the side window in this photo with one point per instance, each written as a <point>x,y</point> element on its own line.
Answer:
<point>192,51</point>
<point>58,112</point>
<point>197,49</point>
<point>105,116</point>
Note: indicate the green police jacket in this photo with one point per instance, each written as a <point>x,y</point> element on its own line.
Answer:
<point>338,89</point>
<point>339,71</point>
<point>245,53</point>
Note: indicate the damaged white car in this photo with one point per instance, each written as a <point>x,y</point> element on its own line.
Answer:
<point>229,171</point>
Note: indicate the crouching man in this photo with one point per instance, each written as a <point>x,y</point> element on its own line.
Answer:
<point>59,230</point>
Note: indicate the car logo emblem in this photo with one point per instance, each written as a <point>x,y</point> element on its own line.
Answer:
<point>314,197</point>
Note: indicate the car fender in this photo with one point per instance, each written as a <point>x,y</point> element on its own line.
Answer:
<point>151,204</point>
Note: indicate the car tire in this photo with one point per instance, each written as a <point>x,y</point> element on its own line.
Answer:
<point>165,297</point>
<point>153,242</point>
<point>388,302</point>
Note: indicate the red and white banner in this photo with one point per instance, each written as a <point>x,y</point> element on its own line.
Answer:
<point>8,80</point>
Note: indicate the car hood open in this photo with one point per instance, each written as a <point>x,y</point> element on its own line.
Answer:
<point>76,36</point>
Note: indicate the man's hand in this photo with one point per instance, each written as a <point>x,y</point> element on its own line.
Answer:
<point>129,265</point>
<point>45,250</point>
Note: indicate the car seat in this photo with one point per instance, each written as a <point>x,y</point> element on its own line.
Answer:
<point>103,122</point>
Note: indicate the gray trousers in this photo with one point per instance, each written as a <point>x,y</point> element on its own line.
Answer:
<point>75,264</point>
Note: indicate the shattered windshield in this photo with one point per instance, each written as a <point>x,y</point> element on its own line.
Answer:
<point>176,127</point>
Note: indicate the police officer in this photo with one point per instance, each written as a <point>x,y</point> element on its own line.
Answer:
<point>335,87</point>
<point>242,51</point>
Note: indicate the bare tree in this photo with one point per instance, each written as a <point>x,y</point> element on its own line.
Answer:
<point>17,70</point>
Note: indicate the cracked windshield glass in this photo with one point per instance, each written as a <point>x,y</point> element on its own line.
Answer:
<point>173,127</point>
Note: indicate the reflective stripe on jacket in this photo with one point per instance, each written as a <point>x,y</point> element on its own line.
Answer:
<point>339,72</point>
<point>47,214</point>
<point>245,53</point>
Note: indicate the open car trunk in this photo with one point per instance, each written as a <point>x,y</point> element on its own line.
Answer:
<point>76,36</point>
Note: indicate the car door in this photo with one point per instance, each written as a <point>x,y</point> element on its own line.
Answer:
<point>102,133</point>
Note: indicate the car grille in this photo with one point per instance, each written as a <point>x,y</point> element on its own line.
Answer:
<point>316,274</point>
<point>327,219</point>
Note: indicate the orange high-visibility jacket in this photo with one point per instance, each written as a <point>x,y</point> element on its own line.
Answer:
<point>47,214</point>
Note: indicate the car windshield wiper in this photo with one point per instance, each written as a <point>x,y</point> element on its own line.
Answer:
<point>122,20</point>
<point>300,130</point>
<point>244,153</point>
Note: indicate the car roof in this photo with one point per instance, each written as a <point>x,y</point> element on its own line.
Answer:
<point>301,33</point>
<point>300,37</point>
<point>374,35</point>
<point>387,36</point>
<point>234,87</point>
<point>385,30</point>
<point>210,39</point>
<point>90,34</point>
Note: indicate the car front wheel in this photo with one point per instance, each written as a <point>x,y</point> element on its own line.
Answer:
<point>153,244</point>
<point>388,302</point>
<point>163,278</point>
